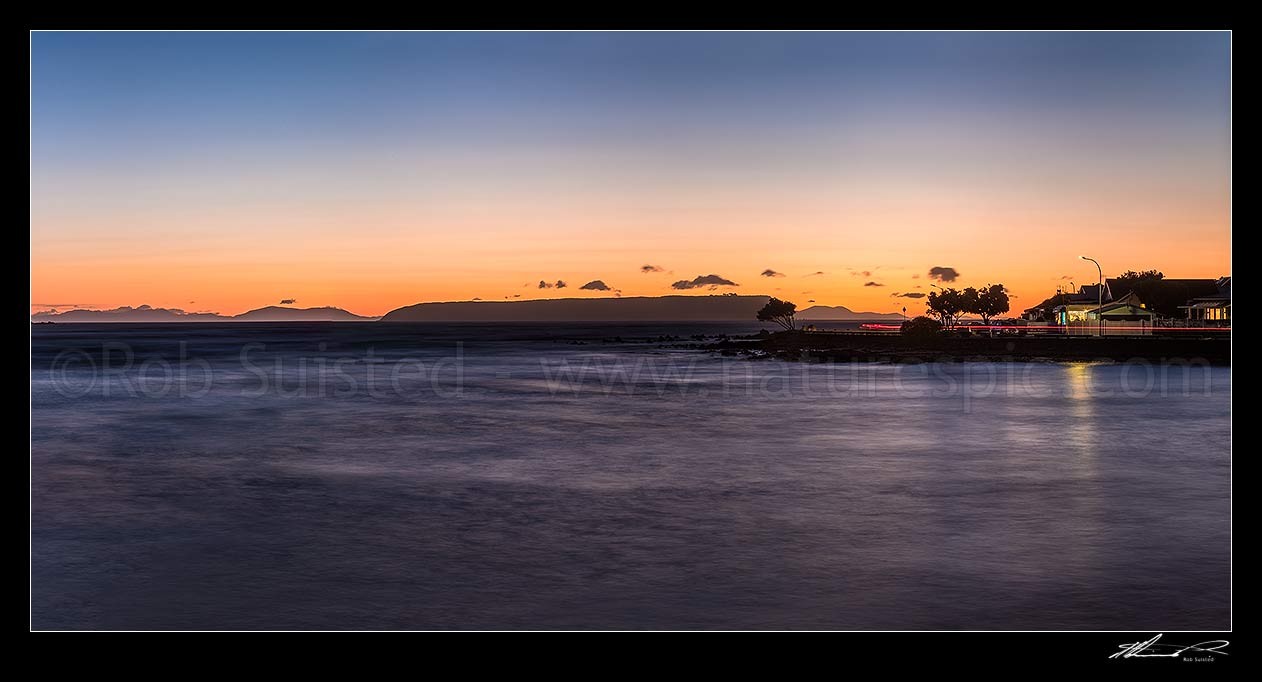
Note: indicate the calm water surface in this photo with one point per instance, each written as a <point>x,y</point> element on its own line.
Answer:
<point>354,476</point>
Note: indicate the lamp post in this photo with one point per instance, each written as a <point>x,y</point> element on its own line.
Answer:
<point>1099,290</point>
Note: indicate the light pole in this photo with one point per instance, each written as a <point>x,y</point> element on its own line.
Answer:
<point>1099,290</point>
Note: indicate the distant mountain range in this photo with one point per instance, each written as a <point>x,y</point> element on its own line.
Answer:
<point>841,312</point>
<point>146,313</point>
<point>716,308</point>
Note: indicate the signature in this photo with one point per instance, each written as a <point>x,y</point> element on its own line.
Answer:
<point>1151,649</point>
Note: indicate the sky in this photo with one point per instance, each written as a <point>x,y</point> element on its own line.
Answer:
<point>229,171</point>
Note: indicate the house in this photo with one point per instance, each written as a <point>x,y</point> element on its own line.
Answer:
<point>1164,298</point>
<point>1213,310</point>
<point>1124,316</point>
<point>1067,306</point>
<point>1127,316</point>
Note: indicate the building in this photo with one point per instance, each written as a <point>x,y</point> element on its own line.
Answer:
<point>1125,316</point>
<point>1067,306</point>
<point>1213,310</point>
<point>1134,305</point>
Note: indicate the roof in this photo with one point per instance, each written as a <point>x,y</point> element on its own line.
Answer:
<point>1167,296</point>
<point>1129,309</point>
<point>1208,303</point>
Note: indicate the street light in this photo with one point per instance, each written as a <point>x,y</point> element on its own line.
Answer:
<point>1099,290</point>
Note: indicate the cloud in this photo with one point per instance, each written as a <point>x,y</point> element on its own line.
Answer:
<point>561,284</point>
<point>817,272</point>
<point>476,298</point>
<point>1066,276</point>
<point>943,274</point>
<point>909,294</point>
<point>516,295</point>
<point>771,273</point>
<point>545,285</point>
<point>596,285</point>
<point>861,273</point>
<point>873,284</point>
<point>66,305</point>
<point>283,301</point>
<point>646,269</point>
<point>915,276</point>
<point>811,301</point>
<point>704,281</point>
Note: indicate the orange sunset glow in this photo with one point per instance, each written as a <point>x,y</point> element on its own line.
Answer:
<point>470,176</point>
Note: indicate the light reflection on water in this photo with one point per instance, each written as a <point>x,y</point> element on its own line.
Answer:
<point>1053,500</point>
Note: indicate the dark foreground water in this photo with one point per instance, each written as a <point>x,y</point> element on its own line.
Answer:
<point>351,476</point>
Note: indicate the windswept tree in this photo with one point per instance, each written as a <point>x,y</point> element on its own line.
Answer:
<point>779,312</point>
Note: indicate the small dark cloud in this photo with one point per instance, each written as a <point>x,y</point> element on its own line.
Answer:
<point>545,285</point>
<point>811,301</point>
<point>873,284</point>
<point>817,272</point>
<point>646,269</point>
<point>516,295</point>
<point>1066,277</point>
<point>915,276</point>
<point>861,273</point>
<point>283,301</point>
<point>943,274</point>
<point>561,284</point>
<point>596,285</point>
<point>704,281</point>
<point>909,294</point>
<point>476,298</point>
<point>771,273</point>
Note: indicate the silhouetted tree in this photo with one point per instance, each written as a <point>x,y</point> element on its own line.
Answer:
<point>945,305</point>
<point>991,301</point>
<point>969,300</point>
<point>780,312</point>
<point>1145,284</point>
<point>1131,275</point>
<point>921,327</point>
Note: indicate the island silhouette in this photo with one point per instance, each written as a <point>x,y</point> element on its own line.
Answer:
<point>676,308</point>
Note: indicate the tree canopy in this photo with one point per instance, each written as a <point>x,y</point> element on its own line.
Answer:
<point>948,304</point>
<point>921,327</point>
<point>779,312</point>
<point>945,305</point>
